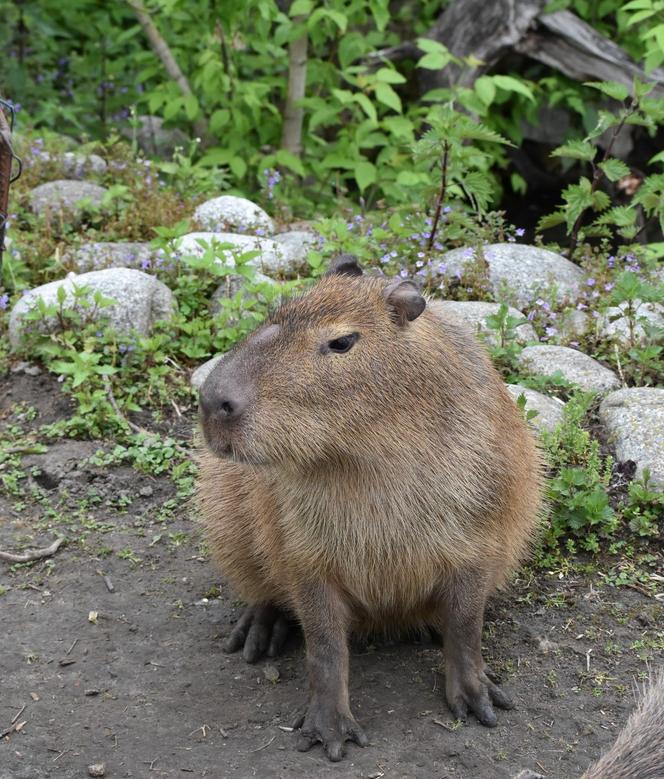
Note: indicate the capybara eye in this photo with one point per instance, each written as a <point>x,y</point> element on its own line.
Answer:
<point>342,344</point>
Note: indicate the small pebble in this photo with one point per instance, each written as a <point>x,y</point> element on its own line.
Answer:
<point>146,492</point>
<point>271,673</point>
<point>97,769</point>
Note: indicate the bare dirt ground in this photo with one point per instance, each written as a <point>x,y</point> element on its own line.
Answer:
<point>145,689</point>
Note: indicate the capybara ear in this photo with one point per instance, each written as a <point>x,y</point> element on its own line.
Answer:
<point>404,301</point>
<point>344,265</point>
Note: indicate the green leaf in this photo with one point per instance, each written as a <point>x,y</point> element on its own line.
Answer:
<point>511,84</point>
<point>577,150</point>
<point>219,119</point>
<point>577,198</point>
<point>380,12</point>
<point>409,178</point>
<point>191,107</point>
<point>486,89</point>
<point>238,166</point>
<point>290,161</point>
<point>368,107</point>
<point>386,95</point>
<point>614,169</point>
<point>365,174</point>
<point>657,158</point>
<point>611,88</point>
<point>637,5</point>
<point>300,8</point>
<point>172,108</point>
<point>217,156</point>
<point>436,55</point>
<point>389,76</point>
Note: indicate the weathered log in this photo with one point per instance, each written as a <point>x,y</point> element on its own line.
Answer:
<point>486,31</point>
<point>481,29</point>
<point>563,41</point>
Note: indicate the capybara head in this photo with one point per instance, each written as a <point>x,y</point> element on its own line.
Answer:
<point>326,375</point>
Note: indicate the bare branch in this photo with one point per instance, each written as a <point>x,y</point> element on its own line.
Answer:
<point>162,50</point>
<point>32,554</point>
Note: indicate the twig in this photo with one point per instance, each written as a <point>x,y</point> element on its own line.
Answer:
<point>14,726</point>
<point>119,414</point>
<point>265,745</point>
<point>620,370</point>
<point>131,425</point>
<point>442,725</point>
<point>33,554</point>
<point>441,194</point>
<point>69,651</point>
<point>16,716</point>
<point>109,584</point>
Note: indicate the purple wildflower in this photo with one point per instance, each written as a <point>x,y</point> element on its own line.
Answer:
<point>4,301</point>
<point>520,232</point>
<point>590,282</point>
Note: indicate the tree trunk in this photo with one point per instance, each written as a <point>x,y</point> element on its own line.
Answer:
<point>291,135</point>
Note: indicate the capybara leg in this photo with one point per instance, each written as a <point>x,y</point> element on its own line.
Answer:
<point>262,629</point>
<point>328,719</point>
<point>467,683</point>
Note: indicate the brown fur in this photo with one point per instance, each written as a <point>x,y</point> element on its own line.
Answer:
<point>638,752</point>
<point>394,473</point>
<point>383,472</point>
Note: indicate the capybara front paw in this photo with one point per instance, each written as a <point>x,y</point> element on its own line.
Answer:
<point>262,629</point>
<point>329,726</point>
<point>471,691</point>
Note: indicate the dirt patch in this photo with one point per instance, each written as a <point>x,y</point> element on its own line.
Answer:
<point>136,678</point>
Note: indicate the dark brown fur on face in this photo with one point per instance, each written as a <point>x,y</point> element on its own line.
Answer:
<point>387,485</point>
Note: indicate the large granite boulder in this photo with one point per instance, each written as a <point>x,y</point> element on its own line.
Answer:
<point>474,314</point>
<point>66,199</point>
<point>139,301</point>
<point>577,367</point>
<point>228,212</point>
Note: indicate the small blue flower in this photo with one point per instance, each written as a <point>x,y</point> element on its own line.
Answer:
<point>4,301</point>
<point>520,232</point>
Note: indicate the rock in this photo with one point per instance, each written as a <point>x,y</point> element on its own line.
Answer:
<point>231,286</point>
<point>97,769</point>
<point>61,459</point>
<point>140,300</point>
<point>634,419</point>
<point>155,139</point>
<point>297,242</point>
<point>110,254</point>
<point>576,367</point>
<point>232,213</point>
<point>274,259</point>
<point>615,325</point>
<point>271,673</point>
<point>550,410</point>
<point>474,313</point>
<point>518,272</point>
<point>64,197</point>
<point>203,371</point>
<point>573,324</point>
<point>77,166</point>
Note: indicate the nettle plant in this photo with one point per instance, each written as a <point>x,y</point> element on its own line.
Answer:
<point>617,222</point>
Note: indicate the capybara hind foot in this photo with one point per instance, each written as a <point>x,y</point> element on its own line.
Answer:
<point>470,691</point>
<point>262,629</point>
<point>332,727</point>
